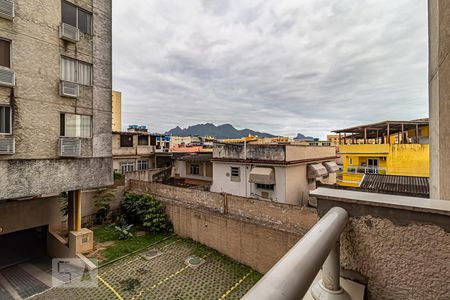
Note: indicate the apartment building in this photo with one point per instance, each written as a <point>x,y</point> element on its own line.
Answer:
<point>55,121</point>
<point>133,151</point>
<point>396,148</point>
<point>282,173</point>
<point>116,111</point>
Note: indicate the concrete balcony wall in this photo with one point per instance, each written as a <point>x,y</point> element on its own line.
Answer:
<point>297,152</point>
<point>400,245</point>
<point>364,149</point>
<point>145,150</point>
<point>254,152</point>
<point>34,177</point>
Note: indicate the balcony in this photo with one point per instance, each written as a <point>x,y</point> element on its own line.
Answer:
<point>7,9</point>
<point>366,170</point>
<point>365,149</point>
<point>394,245</point>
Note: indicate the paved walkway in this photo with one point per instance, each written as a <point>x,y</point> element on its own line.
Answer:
<point>166,276</point>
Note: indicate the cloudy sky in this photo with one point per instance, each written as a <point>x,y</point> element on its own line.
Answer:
<point>279,66</point>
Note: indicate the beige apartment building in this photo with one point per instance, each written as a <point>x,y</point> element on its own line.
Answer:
<point>55,122</point>
<point>133,151</point>
<point>283,173</point>
<point>116,111</point>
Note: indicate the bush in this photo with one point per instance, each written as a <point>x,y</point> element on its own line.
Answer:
<point>124,231</point>
<point>118,176</point>
<point>146,211</point>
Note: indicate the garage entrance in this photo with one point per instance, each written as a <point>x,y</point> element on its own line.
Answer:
<point>21,246</point>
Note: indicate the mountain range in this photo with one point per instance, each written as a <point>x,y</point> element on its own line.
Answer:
<point>225,131</point>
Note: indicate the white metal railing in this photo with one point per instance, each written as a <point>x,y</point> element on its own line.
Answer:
<point>293,275</point>
<point>365,170</point>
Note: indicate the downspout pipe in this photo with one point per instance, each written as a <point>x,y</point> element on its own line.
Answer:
<point>293,275</point>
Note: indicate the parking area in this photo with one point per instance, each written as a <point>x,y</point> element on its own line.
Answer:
<point>173,269</point>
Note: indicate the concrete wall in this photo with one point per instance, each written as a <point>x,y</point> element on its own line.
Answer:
<point>36,168</point>
<point>30,213</point>
<point>439,90</point>
<point>281,216</point>
<point>254,152</point>
<point>400,245</point>
<point>254,232</point>
<point>36,177</point>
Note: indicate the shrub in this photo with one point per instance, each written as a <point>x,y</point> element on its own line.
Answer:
<point>118,176</point>
<point>124,231</point>
<point>146,211</point>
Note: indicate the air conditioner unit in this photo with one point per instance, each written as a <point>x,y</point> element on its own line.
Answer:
<point>69,33</point>
<point>69,147</point>
<point>69,89</point>
<point>7,77</point>
<point>7,9</point>
<point>7,145</point>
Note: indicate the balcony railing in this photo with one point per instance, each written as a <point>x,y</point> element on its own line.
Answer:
<point>293,275</point>
<point>365,170</point>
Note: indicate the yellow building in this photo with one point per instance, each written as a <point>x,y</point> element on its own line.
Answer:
<point>386,148</point>
<point>116,111</point>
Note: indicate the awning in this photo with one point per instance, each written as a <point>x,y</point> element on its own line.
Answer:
<point>262,175</point>
<point>331,166</point>
<point>316,170</point>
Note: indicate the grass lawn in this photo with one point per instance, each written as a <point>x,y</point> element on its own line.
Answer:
<point>117,248</point>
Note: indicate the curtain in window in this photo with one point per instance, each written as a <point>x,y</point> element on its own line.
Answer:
<point>84,21</point>
<point>71,125</point>
<point>68,69</point>
<point>84,73</point>
<point>85,128</point>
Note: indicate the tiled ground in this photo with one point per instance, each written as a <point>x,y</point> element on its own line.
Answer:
<point>167,276</point>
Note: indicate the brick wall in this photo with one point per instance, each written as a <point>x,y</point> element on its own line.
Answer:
<point>254,232</point>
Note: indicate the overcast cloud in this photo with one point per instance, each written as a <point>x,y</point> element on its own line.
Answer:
<point>280,66</point>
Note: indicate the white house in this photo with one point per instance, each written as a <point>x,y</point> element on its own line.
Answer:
<point>282,173</point>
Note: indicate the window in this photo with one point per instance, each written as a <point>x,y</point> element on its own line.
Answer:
<point>142,165</point>
<point>126,166</point>
<point>76,17</point>
<point>126,141</point>
<point>76,71</point>
<point>5,119</point>
<point>235,174</point>
<point>194,169</point>
<point>350,161</point>
<point>269,187</point>
<point>143,140</point>
<point>76,125</point>
<point>5,53</point>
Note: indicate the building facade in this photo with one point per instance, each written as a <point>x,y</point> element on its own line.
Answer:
<point>398,148</point>
<point>193,166</point>
<point>133,151</point>
<point>279,173</point>
<point>116,111</point>
<point>55,118</point>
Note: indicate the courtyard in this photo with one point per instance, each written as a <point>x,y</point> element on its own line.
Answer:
<point>169,268</point>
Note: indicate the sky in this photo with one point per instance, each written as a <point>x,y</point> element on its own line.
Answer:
<point>277,66</point>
